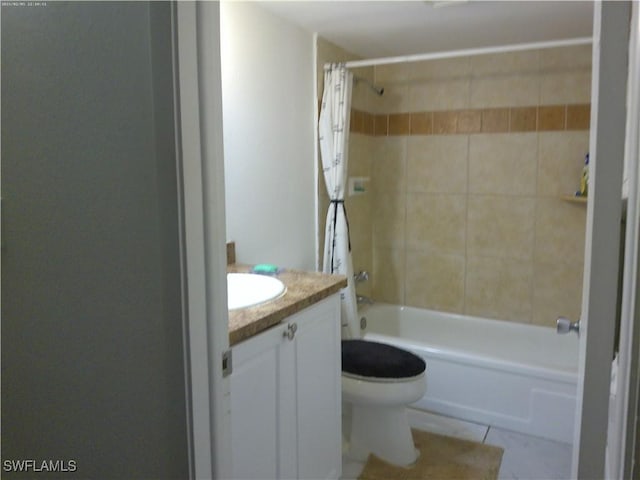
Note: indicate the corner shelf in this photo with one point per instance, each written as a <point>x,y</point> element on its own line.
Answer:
<point>574,199</point>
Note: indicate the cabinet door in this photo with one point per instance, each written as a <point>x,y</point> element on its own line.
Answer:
<point>259,367</point>
<point>318,394</point>
<point>286,399</point>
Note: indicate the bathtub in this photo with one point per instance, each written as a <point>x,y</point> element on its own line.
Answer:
<point>509,375</point>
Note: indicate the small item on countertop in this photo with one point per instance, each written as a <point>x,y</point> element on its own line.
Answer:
<point>584,179</point>
<point>266,269</point>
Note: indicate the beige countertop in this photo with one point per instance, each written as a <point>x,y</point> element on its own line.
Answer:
<point>303,289</point>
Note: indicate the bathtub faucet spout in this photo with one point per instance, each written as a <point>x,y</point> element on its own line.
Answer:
<point>361,299</point>
<point>361,276</point>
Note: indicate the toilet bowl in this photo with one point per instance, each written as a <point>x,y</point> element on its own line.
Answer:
<point>378,382</point>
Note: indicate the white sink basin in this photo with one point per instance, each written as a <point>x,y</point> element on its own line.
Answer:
<point>247,289</point>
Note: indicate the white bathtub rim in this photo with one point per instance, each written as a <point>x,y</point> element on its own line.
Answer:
<point>505,324</point>
<point>563,373</point>
<point>461,357</point>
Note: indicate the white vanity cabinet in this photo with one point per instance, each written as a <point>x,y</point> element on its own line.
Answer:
<point>285,398</point>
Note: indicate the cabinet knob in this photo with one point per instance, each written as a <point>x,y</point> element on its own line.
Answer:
<point>290,332</point>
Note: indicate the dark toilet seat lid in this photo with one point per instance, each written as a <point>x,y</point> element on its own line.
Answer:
<point>379,360</point>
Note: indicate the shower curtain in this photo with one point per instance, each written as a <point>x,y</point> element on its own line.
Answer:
<point>333,131</point>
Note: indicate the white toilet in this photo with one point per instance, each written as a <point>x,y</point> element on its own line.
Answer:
<point>378,382</point>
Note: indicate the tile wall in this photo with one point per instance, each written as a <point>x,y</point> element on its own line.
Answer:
<point>469,159</point>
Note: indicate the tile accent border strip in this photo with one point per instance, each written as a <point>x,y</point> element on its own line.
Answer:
<point>485,120</point>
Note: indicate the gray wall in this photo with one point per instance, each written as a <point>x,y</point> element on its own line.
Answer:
<point>92,341</point>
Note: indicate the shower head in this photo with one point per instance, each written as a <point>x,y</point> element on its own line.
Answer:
<point>378,90</point>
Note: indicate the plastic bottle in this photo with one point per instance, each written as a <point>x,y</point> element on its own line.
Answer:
<point>584,180</point>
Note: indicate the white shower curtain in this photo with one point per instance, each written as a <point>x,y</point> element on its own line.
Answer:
<point>334,144</point>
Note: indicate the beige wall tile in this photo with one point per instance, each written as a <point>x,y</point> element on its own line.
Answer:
<point>511,62</point>
<point>439,95</point>
<point>361,230</point>
<point>563,58</point>
<point>360,96</point>
<point>392,73</point>
<point>505,91</point>
<point>501,226</point>
<point>389,220</point>
<point>394,100</point>
<point>361,233</point>
<point>360,221</point>
<point>415,225</point>
<point>437,164</point>
<point>503,163</point>
<point>360,156</point>
<point>439,69</point>
<point>362,256</point>
<point>557,292</point>
<point>560,88</point>
<point>435,281</point>
<point>388,169</point>
<point>364,72</point>
<point>359,207</point>
<point>499,288</point>
<point>560,162</point>
<point>436,222</point>
<point>388,275</point>
<point>357,121</point>
<point>560,228</point>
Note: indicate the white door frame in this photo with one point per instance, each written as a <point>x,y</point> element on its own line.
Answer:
<point>624,408</point>
<point>604,209</point>
<point>203,180</point>
<point>200,151</point>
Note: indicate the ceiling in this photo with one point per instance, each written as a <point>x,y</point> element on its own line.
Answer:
<point>375,29</point>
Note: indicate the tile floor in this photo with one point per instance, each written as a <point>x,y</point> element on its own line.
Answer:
<point>525,457</point>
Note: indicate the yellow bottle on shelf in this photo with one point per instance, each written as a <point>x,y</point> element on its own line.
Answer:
<point>584,179</point>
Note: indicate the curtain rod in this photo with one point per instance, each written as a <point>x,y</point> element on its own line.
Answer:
<point>464,53</point>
